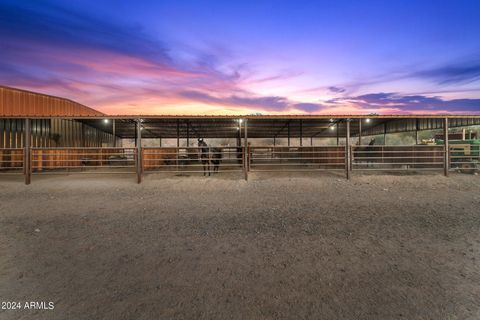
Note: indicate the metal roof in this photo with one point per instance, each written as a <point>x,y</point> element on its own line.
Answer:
<point>269,128</point>
<point>22,103</point>
<point>17,103</point>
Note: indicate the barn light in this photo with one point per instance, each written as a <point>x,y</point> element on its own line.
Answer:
<point>238,128</point>
<point>106,121</point>
<point>332,128</point>
<point>367,120</point>
<point>240,121</point>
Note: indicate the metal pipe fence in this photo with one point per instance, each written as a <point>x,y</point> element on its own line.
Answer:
<point>11,160</point>
<point>264,159</point>
<point>212,159</point>
<point>397,158</point>
<point>193,159</point>
<point>82,160</point>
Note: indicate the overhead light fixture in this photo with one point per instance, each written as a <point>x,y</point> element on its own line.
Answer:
<point>106,121</point>
<point>332,128</point>
<point>238,128</point>
<point>240,121</point>
<point>331,120</point>
<point>367,120</point>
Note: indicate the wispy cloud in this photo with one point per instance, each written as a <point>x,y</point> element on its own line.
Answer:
<point>405,104</point>
<point>455,73</point>
<point>336,89</point>
<point>258,103</point>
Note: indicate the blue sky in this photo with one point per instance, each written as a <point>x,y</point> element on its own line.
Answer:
<point>238,57</point>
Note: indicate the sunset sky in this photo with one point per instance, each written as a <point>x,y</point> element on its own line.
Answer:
<point>244,57</point>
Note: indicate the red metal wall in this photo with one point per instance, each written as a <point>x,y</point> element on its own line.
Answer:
<point>21,103</point>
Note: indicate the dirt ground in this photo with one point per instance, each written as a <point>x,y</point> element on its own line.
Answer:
<point>288,247</point>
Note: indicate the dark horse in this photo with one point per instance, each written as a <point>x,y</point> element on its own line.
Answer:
<point>209,156</point>
<point>367,155</point>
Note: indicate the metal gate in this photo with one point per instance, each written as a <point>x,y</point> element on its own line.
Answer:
<point>397,158</point>
<point>193,159</point>
<point>11,160</point>
<point>296,158</point>
<point>83,160</point>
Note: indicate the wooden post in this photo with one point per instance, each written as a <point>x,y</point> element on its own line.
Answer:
<point>360,131</point>
<point>114,133</point>
<point>139,151</point>
<point>188,134</point>
<point>338,133</point>
<point>240,154</point>
<point>178,133</point>
<point>245,152</point>
<point>416,131</point>
<point>288,133</point>
<point>178,144</point>
<point>239,134</point>
<point>347,150</point>
<point>311,141</point>
<point>385,134</point>
<point>135,123</point>
<point>26,153</point>
<point>82,135</point>
<point>301,133</point>
<point>446,148</point>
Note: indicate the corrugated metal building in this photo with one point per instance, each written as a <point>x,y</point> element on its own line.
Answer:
<point>20,103</point>
<point>50,132</point>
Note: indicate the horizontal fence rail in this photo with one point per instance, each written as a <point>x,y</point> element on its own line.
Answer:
<point>464,157</point>
<point>212,159</point>
<point>11,160</point>
<point>206,160</point>
<point>84,160</point>
<point>296,158</point>
<point>387,158</point>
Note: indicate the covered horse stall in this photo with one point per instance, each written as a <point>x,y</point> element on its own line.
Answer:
<point>42,134</point>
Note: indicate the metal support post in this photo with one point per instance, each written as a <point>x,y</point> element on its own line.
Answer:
<point>139,151</point>
<point>446,149</point>
<point>347,150</point>
<point>26,154</point>
<point>246,151</point>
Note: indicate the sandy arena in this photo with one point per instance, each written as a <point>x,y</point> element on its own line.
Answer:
<point>287,247</point>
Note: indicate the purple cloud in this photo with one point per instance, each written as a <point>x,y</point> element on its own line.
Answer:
<point>270,103</point>
<point>457,73</point>
<point>411,103</point>
<point>267,103</point>
<point>336,89</point>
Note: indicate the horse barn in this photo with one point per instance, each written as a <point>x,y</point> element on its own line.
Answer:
<point>43,134</point>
